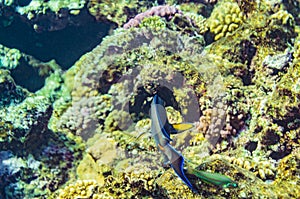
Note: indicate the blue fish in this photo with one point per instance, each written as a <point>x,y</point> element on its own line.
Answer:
<point>161,130</point>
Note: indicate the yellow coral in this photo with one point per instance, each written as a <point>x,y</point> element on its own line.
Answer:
<point>88,169</point>
<point>81,189</point>
<point>296,53</point>
<point>283,16</point>
<point>225,18</point>
<point>260,167</point>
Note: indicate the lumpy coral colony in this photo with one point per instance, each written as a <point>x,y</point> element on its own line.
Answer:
<point>231,67</point>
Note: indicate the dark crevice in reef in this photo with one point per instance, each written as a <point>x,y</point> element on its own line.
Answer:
<point>27,77</point>
<point>65,46</point>
<point>141,106</point>
<point>23,2</point>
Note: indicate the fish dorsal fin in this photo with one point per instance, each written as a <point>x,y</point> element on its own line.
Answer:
<point>183,127</point>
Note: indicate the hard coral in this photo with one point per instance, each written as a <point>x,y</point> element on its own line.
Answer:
<point>219,124</point>
<point>80,189</point>
<point>287,178</point>
<point>225,19</point>
<point>9,57</point>
<point>116,11</point>
<point>132,180</point>
<point>162,11</point>
<point>89,169</point>
<point>85,116</point>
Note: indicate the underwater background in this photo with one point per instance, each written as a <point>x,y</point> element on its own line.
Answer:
<point>77,78</point>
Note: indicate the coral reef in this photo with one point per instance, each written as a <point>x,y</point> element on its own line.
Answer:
<point>234,120</point>
<point>49,15</point>
<point>233,71</point>
<point>33,159</point>
<point>287,175</point>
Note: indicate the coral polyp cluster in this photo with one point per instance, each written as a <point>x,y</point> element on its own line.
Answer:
<point>225,18</point>
<point>80,189</point>
<point>9,58</point>
<point>162,11</point>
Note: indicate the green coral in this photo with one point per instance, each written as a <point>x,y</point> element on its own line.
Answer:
<point>153,22</point>
<point>40,7</point>
<point>115,11</point>
<point>8,2</point>
<point>225,19</point>
<point>9,57</point>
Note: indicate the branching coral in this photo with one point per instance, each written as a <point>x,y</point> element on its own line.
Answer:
<point>162,11</point>
<point>9,58</point>
<point>80,189</point>
<point>225,19</point>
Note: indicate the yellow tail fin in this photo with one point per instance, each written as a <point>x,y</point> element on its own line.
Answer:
<point>182,126</point>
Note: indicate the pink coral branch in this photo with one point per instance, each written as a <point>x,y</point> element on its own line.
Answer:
<point>162,11</point>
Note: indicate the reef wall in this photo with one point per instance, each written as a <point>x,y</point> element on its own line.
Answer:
<point>229,67</point>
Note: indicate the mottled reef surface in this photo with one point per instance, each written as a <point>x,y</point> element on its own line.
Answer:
<point>74,116</point>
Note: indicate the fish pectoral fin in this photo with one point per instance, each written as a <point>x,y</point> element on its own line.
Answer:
<point>182,127</point>
<point>166,164</point>
<point>161,147</point>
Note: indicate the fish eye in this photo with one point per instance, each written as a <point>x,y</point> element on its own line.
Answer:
<point>233,185</point>
<point>230,185</point>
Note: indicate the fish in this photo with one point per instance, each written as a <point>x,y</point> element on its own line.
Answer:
<point>161,130</point>
<point>213,178</point>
